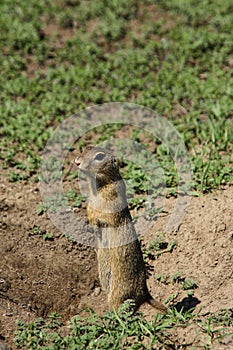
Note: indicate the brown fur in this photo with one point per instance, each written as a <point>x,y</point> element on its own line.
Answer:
<point>122,271</point>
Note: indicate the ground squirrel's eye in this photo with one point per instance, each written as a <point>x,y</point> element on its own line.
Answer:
<point>99,156</point>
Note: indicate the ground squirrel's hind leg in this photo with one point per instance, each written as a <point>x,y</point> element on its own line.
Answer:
<point>117,297</point>
<point>114,303</point>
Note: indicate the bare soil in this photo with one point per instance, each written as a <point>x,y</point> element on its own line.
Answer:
<point>39,276</point>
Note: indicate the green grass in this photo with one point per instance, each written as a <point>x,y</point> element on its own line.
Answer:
<point>122,330</point>
<point>177,63</point>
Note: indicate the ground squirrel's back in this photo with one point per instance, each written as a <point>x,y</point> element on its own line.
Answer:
<point>121,267</point>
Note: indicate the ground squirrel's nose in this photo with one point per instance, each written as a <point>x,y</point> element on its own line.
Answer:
<point>77,161</point>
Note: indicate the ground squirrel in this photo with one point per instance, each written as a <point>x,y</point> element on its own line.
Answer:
<point>121,267</point>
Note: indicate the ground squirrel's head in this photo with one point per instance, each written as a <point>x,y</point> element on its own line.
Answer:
<point>99,164</point>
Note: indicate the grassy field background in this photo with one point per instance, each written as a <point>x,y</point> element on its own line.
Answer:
<point>58,57</point>
<point>173,56</point>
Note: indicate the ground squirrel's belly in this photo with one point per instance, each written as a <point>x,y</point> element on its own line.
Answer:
<point>112,229</point>
<point>104,218</point>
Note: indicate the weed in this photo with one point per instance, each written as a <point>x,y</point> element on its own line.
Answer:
<point>69,237</point>
<point>136,202</point>
<point>114,330</point>
<point>48,236</point>
<point>15,176</point>
<point>52,204</point>
<point>223,317</point>
<point>176,278</point>
<point>157,247</point>
<point>41,209</point>
<point>186,283</point>
<point>212,331</point>
<point>36,230</point>
<point>74,199</point>
<point>152,213</point>
<point>162,279</point>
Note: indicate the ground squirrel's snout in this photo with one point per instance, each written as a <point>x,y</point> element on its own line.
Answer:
<point>77,161</point>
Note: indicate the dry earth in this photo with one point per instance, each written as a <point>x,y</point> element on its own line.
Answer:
<point>38,276</point>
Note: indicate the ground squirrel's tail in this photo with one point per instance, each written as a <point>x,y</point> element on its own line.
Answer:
<point>156,304</point>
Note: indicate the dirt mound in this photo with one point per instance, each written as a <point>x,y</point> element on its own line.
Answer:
<point>44,271</point>
<point>41,269</point>
<point>204,251</point>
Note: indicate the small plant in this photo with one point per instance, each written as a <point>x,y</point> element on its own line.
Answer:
<point>74,198</point>
<point>152,213</point>
<point>162,279</point>
<point>212,331</point>
<point>224,317</point>
<point>69,237</point>
<point>48,236</point>
<point>182,317</point>
<point>15,176</point>
<point>61,202</point>
<point>136,202</point>
<point>78,202</point>
<point>157,247</point>
<point>177,277</point>
<point>41,209</point>
<point>38,333</point>
<point>36,230</point>
<point>187,284</point>
<point>171,298</point>
<point>54,203</point>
